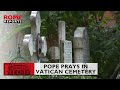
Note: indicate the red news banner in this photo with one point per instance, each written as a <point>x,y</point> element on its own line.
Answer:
<point>18,68</point>
<point>50,68</point>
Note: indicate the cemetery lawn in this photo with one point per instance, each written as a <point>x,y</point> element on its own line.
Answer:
<point>63,77</point>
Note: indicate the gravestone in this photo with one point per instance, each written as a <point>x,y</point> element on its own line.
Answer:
<point>35,32</point>
<point>67,51</point>
<point>62,37</point>
<point>37,45</point>
<point>61,31</point>
<point>43,58</point>
<point>35,23</point>
<point>54,53</point>
<point>28,45</point>
<point>65,46</point>
<point>81,45</point>
<point>44,46</point>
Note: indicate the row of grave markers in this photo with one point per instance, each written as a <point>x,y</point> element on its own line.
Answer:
<point>79,48</point>
<point>62,53</point>
<point>32,44</point>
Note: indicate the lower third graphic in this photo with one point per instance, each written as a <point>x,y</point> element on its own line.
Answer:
<point>18,69</point>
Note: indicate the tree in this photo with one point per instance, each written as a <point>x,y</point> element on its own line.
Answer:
<point>104,43</point>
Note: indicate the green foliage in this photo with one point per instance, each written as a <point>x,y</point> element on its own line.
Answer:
<point>105,47</point>
<point>104,41</point>
<point>105,50</point>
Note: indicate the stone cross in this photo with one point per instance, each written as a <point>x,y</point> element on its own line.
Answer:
<point>62,37</point>
<point>81,45</point>
<point>33,41</point>
<point>35,23</point>
<point>65,46</point>
<point>56,52</point>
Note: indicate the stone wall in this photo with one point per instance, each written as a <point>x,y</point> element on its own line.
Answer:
<point>9,39</point>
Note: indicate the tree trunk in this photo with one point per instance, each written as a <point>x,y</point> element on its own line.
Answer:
<point>114,75</point>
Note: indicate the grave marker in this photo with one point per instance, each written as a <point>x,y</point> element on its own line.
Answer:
<point>81,45</point>
<point>67,51</point>
<point>54,53</point>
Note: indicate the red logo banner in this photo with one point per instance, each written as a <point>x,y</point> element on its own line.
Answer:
<point>18,68</point>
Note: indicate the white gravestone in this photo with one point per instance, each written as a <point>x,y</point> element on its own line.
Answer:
<point>35,23</point>
<point>29,41</point>
<point>28,45</point>
<point>61,31</point>
<point>62,37</point>
<point>67,51</point>
<point>39,48</point>
<point>44,45</point>
<point>81,45</point>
